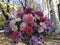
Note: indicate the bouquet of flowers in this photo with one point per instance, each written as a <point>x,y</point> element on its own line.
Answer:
<point>29,27</point>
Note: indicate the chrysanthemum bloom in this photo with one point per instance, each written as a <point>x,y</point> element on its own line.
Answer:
<point>28,30</point>
<point>42,24</point>
<point>28,10</point>
<point>17,19</point>
<point>23,26</point>
<point>12,23</point>
<point>40,30</point>
<point>33,13</point>
<point>20,14</point>
<point>14,28</point>
<point>43,19</point>
<point>28,18</point>
<point>15,35</point>
<point>40,14</point>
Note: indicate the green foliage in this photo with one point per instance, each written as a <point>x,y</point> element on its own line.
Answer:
<point>27,37</point>
<point>2,24</point>
<point>2,21</point>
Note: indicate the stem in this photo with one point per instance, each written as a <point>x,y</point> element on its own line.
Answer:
<point>25,3</point>
<point>3,12</point>
<point>8,8</point>
<point>22,4</point>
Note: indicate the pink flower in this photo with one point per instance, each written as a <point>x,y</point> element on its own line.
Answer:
<point>43,19</point>
<point>28,30</point>
<point>20,14</point>
<point>23,26</point>
<point>28,18</point>
<point>15,35</point>
<point>33,13</point>
<point>28,10</point>
<point>40,14</point>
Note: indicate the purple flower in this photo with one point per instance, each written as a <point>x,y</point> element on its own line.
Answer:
<point>35,29</point>
<point>33,40</point>
<point>6,23</point>
<point>8,31</point>
<point>41,38</point>
<point>48,23</point>
<point>48,30</point>
<point>20,35</point>
<point>15,41</point>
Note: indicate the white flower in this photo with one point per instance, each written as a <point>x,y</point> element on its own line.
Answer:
<point>17,19</point>
<point>14,28</point>
<point>40,30</point>
<point>12,23</point>
<point>42,24</point>
<point>40,43</point>
<point>20,43</point>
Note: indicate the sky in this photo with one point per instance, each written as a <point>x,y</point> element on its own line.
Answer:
<point>38,1</point>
